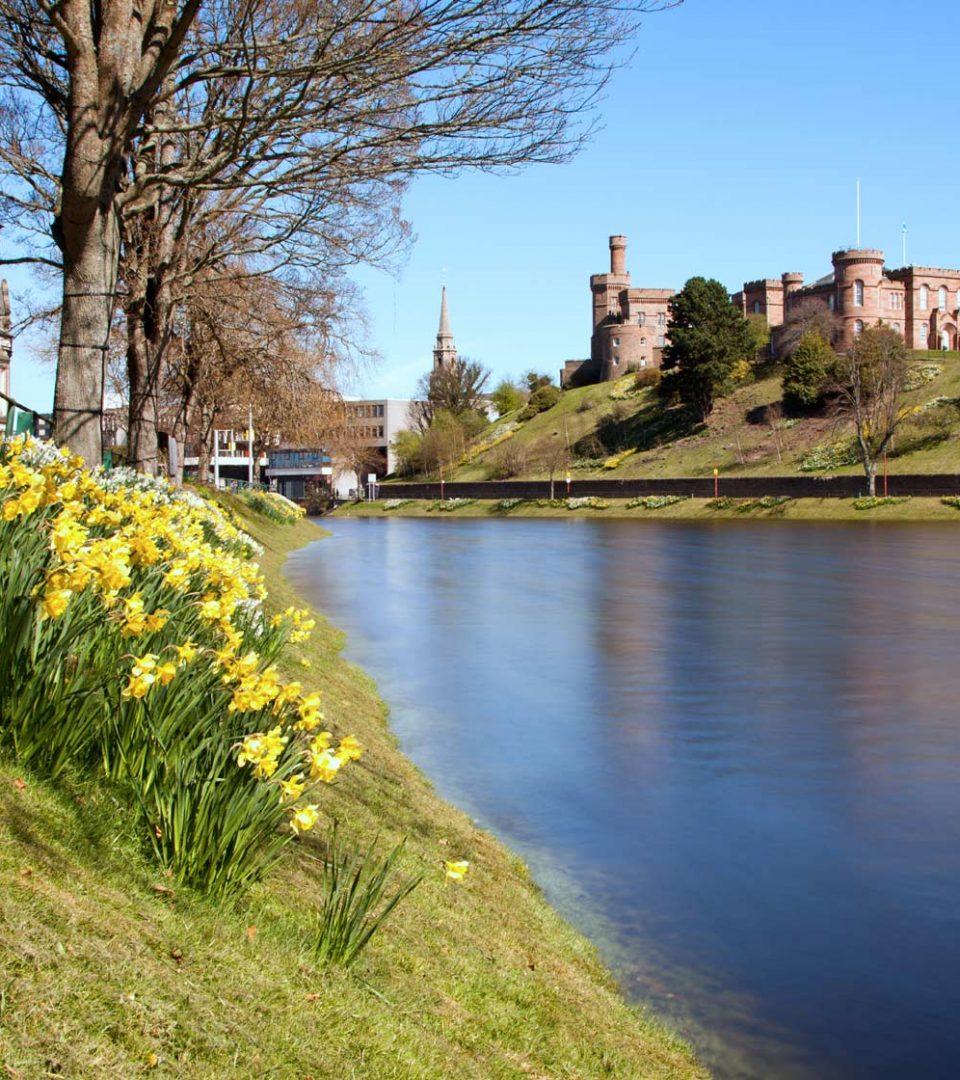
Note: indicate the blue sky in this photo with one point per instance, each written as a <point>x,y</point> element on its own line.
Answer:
<point>730,147</point>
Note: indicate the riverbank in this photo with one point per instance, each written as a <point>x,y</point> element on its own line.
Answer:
<point>910,509</point>
<point>110,972</point>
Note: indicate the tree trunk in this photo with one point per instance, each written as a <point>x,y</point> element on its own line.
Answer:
<point>90,244</point>
<point>871,471</point>
<point>142,423</point>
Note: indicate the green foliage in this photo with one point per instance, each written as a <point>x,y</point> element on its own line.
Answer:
<point>833,455</point>
<point>655,502</point>
<point>920,374</point>
<point>540,400</point>
<point>708,335</point>
<point>352,907</point>
<point>408,449</point>
<point>448,506</point>
<point>766,502</point>
<point>535,381</point>
<point>506,397</point>
<point>586,502</point>
<point>271,504</point>
<point>133,646</point>
<point>951,500</point>
<point>806,372</point>
<point>456,389</point>
<point>504,506</point>
<point>394,504</point>
<point>871,502</point>
<point>759,336</point>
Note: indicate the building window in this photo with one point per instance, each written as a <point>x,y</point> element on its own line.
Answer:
<point>643,361</point>
<point>858,294</point>
<point>942,298</point>
<point>858,327</point>
<point>756,307</point>
<point>896,327</point>
<point>660,341</point>
<point>616,343</point>
<point>831,302</point>
<point>662,319</point>
<point>641,319</point>
<point>643,341</point>
<point>924,297</point>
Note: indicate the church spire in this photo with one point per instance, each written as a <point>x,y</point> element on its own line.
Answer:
<point>444,352</point>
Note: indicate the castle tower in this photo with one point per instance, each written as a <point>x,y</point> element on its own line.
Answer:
<point>444,352</point>
<point>858,273</point>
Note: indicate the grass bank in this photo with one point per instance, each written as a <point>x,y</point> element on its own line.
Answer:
<point>108,971</point>
<point>911,509</point>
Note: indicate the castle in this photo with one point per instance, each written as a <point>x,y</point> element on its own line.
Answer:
<point>629,325</point>
<point>921,303</point>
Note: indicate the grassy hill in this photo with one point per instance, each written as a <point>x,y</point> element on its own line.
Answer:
<point>108,971</point>
<point>600,423</point>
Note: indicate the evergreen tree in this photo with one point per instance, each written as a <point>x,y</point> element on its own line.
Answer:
<point>806,371</point>
<point>708,335</point>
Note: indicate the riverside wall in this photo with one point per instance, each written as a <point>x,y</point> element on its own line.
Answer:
<point>702,487</point>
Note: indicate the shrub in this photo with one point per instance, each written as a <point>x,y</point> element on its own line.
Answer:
<point>618,459</point>
<point>540,400</point>
<point>806,371</point>
<point>830,456</point>
<point>394,504</point>
<point>920,374</point>
<point>655,502</point>
<point>647,377</point>
<point>506,505</point>
<point>587,405</point>
<point>586,502</point>
<point>449,505</point>
<point>271,504</point>
<point>871,502</point>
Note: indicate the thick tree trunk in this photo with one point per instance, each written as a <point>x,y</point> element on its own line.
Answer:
<point>90,243</point>
<point>871,471</point>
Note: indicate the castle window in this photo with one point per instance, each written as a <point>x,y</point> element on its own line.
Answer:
<point>831,302</point>
<point>756,307</point>
<point>616,342</point>
<point>660,341</point>
<point>942,298</point>
<point>858,327</point>
<point>641,319</point>
<point>858,294</point>
<point>662,319</point>
<point>924,297</point>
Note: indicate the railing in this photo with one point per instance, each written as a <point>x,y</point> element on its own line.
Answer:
<point>20,419</point>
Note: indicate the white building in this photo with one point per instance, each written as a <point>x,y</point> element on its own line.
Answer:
<point>373,425</point>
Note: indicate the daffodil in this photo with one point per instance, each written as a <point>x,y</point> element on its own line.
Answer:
<point>457,871</point>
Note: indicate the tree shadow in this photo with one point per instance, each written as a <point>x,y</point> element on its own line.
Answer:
<point>648,428</point>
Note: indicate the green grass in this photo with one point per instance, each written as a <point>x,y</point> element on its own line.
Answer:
<point>914,509</point>
<point>734,439</point>
<point>108,971</point>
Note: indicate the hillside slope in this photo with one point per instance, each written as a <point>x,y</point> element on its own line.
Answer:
<point>109,972</point>
<point>596,424</point>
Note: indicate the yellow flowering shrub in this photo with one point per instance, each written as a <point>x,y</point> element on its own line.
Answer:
<point>133,641</point>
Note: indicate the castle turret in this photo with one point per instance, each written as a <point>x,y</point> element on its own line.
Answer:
<point>444,352</point>
<point>618,255</point>
<point>857,274</point>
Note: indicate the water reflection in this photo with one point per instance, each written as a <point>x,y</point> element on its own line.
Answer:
<point>729,753</point>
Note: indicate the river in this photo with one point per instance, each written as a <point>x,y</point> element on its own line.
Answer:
<point>728,752</point>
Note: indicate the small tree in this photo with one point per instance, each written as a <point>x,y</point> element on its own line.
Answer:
<point>866,386</point>
<point>708,335</point>
<point>807,371</point>
<point>457,388</point>
<point>533,380</point>
<point>506,397</point>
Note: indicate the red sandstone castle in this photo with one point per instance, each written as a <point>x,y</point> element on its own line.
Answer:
<point>920,303</point>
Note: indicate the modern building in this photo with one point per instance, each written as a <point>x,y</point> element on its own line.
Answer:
<point>296,472</point>
<point>371,428</point>
<point>629,324</point>
<point>921,303</point>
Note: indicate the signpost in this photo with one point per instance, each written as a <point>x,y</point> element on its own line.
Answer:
<point>716,482</point>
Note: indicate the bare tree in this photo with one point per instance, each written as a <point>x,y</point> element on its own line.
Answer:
<point>810,315</point>
<point>457,388</point>
<point>866,387</point>
<point>300,105</point>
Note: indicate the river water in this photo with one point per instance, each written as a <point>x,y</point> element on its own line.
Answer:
<point>728,751</point>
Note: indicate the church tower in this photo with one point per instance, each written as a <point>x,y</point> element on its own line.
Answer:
<point>444,352</point>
